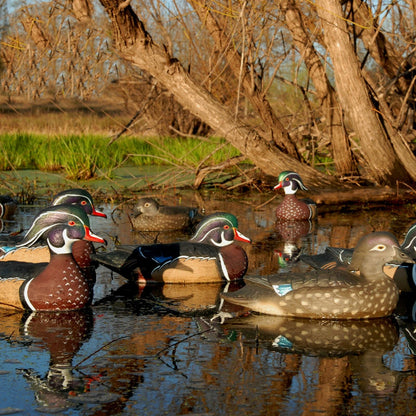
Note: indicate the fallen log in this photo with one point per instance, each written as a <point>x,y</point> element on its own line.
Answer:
<point>355,198</point>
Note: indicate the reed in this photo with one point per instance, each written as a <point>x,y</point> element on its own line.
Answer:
<point>81,156</point>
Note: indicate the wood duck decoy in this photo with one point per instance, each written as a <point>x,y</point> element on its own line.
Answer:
<point>209,256</point>
<point>8,206</point>
<point>149,215</point>
<point>59,285</point>
<point>39,253</point>
<point>404,275</point>
<point>78,196</point>
<point>292,208</point>
<point>331,294</point>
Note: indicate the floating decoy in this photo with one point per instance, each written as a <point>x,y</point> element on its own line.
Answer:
<point>78,196</point>
<point>404,275</point>
<point>60,284</point>
<point>292,208</point>
<point>149,215</point>
<point>209,256</point>
<point>331,294</point>
<point>8,206</point>
<point>81,250</point>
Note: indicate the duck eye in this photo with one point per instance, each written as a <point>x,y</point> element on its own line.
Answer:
<point>83,202</point>
<point>287,179</point>
<point>379,247</point>
<point>71,223</point>
<point>147,204</point>
<point>226,227</point>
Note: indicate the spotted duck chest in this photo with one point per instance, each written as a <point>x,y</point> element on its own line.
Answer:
<point>292,208</point>
<point>60,287</point>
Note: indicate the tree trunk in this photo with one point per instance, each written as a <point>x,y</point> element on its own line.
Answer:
<point>137,46</point>
<point>383,163</point>
<point>341,149</point>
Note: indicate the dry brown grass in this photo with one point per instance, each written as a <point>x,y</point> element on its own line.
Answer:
<point>63,117</point>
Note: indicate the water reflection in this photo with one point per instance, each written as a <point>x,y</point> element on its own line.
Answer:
<point>155,350</point>
<point>61,334</point>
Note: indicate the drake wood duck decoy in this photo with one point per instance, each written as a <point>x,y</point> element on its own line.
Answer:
<point>59,285</point>
<point>8,206</point>
<point>209,256</point>
<point>292,208</point>
<point>404,275</point>
<point>331,294</point>
<point>149,215</point>
<point>39,253</point>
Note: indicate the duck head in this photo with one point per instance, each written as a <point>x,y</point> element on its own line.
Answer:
<point>376,249</point>
<point>409,243</point>
<point>219,229</point>
<point>290,182</point>
<point>146,206</point>
<point>61,226</point>
<point>80,197</point>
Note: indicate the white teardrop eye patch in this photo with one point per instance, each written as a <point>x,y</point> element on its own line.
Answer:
<point>379,247</point>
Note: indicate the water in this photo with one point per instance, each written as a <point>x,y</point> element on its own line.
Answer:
<point>157,351</point>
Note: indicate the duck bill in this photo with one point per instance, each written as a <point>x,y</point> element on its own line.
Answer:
<point>401,257</point>
<point>278,186</point>
<point>240,237</point>
<point>89,236</point>
<point>98,213</point>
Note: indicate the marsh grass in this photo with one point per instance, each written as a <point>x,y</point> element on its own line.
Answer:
<point>82,156</point>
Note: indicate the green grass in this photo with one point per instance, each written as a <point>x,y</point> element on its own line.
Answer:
<point>82,156</point>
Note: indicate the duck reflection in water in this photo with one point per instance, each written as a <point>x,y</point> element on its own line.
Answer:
<point>292,233</point>
<point>60,333</point>
<point>331,350</point>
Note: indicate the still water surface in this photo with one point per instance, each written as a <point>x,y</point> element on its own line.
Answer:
<point>157,351</point>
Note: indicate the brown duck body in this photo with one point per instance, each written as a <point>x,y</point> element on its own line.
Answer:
<point>294,209</point>
<point>317,295</point>
<point>181,263</point>
<point>150,216</point>
<point>210,256</point>
<point>60,286</point>
<point>331,294</point>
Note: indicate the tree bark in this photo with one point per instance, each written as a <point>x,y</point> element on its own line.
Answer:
<point>383,163</point>
<point>137,46</point>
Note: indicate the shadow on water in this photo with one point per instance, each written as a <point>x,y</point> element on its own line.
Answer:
<point>156,350</point>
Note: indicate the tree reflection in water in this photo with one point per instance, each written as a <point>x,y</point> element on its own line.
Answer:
<point>155,350</point>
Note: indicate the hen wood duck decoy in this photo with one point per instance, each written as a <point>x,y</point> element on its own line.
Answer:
<point>149,215</point>
<point>292,208</point>
<point>404,275</point>
<point>331,294</point>
<point>81,249</point>
<point>59,285</point>
<point>209,256</point>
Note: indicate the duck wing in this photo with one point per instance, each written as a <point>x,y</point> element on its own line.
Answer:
<point>331,258</point>
<point>285,283</point>
<point>125,259</point>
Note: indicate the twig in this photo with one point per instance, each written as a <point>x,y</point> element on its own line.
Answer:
<point>182,340</point>
<point>99,349</point>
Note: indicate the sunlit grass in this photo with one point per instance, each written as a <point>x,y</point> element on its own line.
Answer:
<point>80,156</point>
